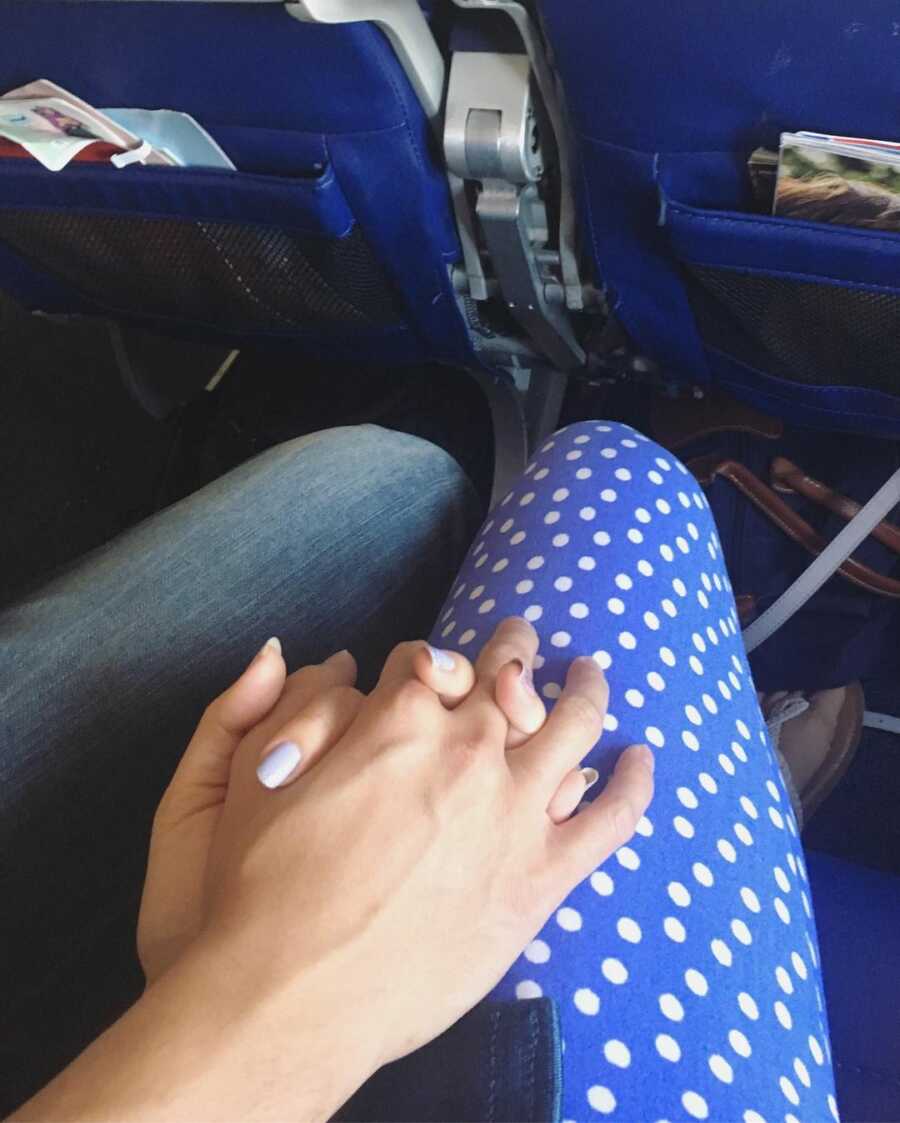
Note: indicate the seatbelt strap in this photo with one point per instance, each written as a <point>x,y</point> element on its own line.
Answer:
<point>885,722</point>
<point>835,554</point>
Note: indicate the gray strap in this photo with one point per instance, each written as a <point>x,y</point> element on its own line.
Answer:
<point>834,555</point>
<point>886,722</point>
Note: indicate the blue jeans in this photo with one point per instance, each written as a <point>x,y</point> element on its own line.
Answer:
<point>348,538</point>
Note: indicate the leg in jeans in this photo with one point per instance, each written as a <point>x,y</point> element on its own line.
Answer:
<point>686,970</point>
<point>346,538</point>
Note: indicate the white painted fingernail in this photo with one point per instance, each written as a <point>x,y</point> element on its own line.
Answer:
<point>526,678</point>
<point>591,776</point>
<point>273,644</point>
<point>441,660</point>
<point>275,768</point>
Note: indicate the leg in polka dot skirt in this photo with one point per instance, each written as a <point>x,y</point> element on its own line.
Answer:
<point>686,970</point>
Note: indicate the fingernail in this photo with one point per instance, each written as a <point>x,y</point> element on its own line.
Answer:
<point>646,756</point>
<point>526,678</point>
<point>272,644</point>
<point>275,768</point>
<point>342,654</point>
<point>441,660</point>
<point>591,776</point>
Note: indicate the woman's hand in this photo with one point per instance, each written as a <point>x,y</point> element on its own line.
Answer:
<point>187,818</point>
<point>404,871</point>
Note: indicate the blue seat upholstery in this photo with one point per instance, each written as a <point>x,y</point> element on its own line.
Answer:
<point>667,102</point>
<point>335,233</point>
<point>858,918</point>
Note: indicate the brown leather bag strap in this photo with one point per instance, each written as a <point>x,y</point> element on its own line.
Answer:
<point>706,468</point>
<point>787,477</point>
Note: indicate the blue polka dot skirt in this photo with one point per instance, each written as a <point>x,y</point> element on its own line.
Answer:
<point>686,969</point>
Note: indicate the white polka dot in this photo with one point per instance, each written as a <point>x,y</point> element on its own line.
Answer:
<point>668,607</point>
<point>666,552</point>
<point>551,518</point>
<point>784,980</point>
<point>534,563</point>
<point>742,834</point>
<point>627,640</point>
<point>627,858</point>
<point>623,581</point>
<point>727,850</point>
<point>628,443</point>
<point>741,932</point>
<point>693,715</point>
<point>582,440</point>
<point>586,1001</point>
<point>784,913</point>
<point>702,873</point>
<point>538,951</point>
<point>750,899</point>
<point>563,584</point>
<point>629,929</point>
<point>738,1041</point>
<point>721,1069</point>
<point>799,964</point>
<point>722,952</point>
<point>614,970</point>
<point>587,564</point>
<point>832,1107</point>
<point>622,474</point>
<point>651,620</point>
<point>560,639</point>
<point>608,495</point>
<point>695,665</point>
<point>663,507</point>
<point>446,632</point>
<point>654,477</point>
<point>486,606</point>
<point>642,515</point>
<point>667,656</point>
<point>748,806</point>
<point>690,740</point>
<point>683,826</point>
<point>568,919</point>
<point>816,1050</point>
<point>508,525</point>
<point>610,723</point>
<point>608,453</point>
<point>533,612</point>
<point>644,827</point>
<point>687,798</point>
<point>602,883</point>
<point>603,660</point>
<point>703,601</point>
<point>710,703</point>
<point>576,455</point>
<point>528,988</point>
<point>708,783</point>
<point>551,690</point>
<point>802,1073</point>
<point>752,1117</point>
<point>671,1007</point>
<point>601,538</point>
<point>748,1006</point>
<point>581,474</point>
<point>789,1091</point>
<point>634,698</point>
<point>645,568</point>
<point>783,1015</point>
<point>654,736</point>
<point>696,982</point>
<point>679,894</point>
<point>560,540</point>
<point>695,1105</point>
<point>467,636</point>
<point>615,606</point>
<point>674,929</point>
<point>635,536</point>
<point>668,1048</point>
<point>617,1053</point>
<point>526,499</point>
<point>542,474</point>
<point>726,764</point>
<point>781,879</point>
<point>601,1099</point>
<point>579,610</point>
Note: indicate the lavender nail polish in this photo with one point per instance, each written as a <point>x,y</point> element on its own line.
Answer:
<point>275,768</point>
<point>442,660</point>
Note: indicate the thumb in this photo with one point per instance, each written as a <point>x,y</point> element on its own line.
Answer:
<point>207,760</point>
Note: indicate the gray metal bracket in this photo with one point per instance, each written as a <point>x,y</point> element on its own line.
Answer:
<point>491,140</point>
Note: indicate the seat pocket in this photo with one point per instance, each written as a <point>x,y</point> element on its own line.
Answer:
<point>799,304</point>
<point>230,251</point>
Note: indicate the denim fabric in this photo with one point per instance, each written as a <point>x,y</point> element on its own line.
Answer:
<point>348,538</point>
<point>501,1063</point>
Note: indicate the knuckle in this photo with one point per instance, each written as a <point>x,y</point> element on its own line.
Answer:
<point>412,697</point>
<point>622,818</point>
<point>582,710</point>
